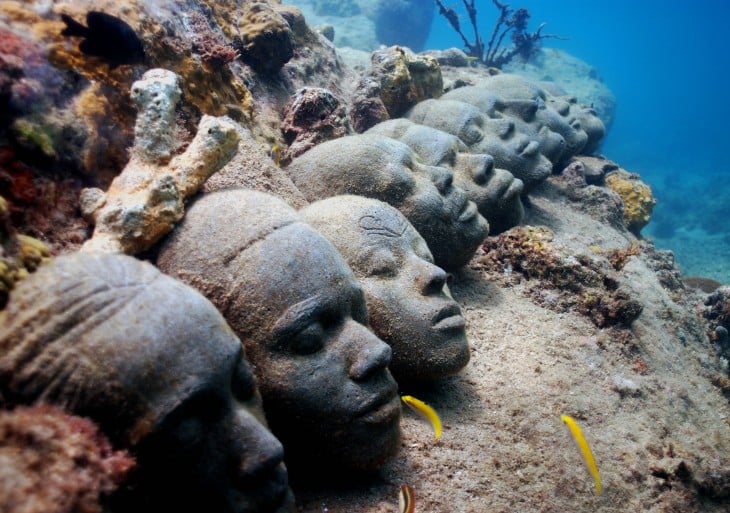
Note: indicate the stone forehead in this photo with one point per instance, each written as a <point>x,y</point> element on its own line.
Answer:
<point>514,87</point>
<point>485,100</point>
<point>355,218</point>
<point>444,115</point>
<point>111,329</point>
<point>221,225</point>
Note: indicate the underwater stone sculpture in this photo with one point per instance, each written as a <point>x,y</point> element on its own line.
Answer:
<point>579,126</point>
<point>496,192</point>
<point>147,198</point>
<point>382,168</point>
<point>522,112</point>
<point>515,152</point>
<point>154,364</point>
<point>300,312</point>
<point>409,304</point>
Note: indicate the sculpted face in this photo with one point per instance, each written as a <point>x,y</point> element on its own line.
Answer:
<point>512,151</point>
<point>523,112</point>
<point>301,314</point>
<point>409,304</point>
<point>378,167</point>
<point>579,126</point>
<point>156,366</point>
<point>496,192</point>
<point>323,367</point>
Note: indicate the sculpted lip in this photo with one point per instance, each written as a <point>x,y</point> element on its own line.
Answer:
<point>449,317</point>
<point>383,407</point>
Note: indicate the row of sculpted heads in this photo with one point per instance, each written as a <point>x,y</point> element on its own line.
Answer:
<point>161,368</point>
<point>456,167</point>
<point>330,303</point>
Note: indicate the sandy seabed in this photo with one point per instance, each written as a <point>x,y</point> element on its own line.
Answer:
<point>644,397</point>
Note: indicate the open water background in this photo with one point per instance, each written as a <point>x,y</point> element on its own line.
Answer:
<point>668,63</point>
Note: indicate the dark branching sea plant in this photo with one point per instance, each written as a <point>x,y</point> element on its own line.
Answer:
<point>510,21</point>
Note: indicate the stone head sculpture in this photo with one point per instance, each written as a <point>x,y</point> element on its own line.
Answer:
<point>577,115</point>
<point>581,129</point>
<point>496,192</point>
<point>515,152</point>
<point>523,112</point>
<point>155,365</point>
<point>409,304</point>
<point>382,168</point>
<point>301,314</point>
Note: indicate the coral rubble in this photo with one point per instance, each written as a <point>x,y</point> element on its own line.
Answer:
<point>56,462</point>
<point>146,199</point>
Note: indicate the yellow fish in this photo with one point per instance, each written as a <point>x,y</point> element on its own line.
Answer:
<point>584,449</point>
<point>275,154</point>
<point>425,410</point>
<point>406,499</point>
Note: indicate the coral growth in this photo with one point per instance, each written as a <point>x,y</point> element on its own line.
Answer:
<point>717,312</point>
<point>398,80</point>
<point>53,462</point>
<point>146,199</point>
<point>214,51</point>
<point>312,115</point>
<point>19,254</point>
<point>266,40</point>
<point>555,279</point>
<point>637,198</point>
<point>510,21</point>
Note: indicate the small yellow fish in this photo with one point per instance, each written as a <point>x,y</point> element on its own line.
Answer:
<point>406,499</point>
<point>425,410</point>
<point>584,449</point>
<point>275,154</point>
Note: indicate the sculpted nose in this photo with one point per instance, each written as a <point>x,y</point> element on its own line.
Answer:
<point>431,279</point>
<point>259,452</point>
<point>371,355</point>
<point>441,177</point>
<point>483,169</point>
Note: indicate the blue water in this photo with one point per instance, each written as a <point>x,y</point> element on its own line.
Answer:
<point>669,69</point>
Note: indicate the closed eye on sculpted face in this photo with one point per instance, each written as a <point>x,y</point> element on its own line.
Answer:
<point>305,327</point>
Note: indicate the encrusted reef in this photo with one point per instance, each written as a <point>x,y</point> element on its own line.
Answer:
<point>636,195</point>
<point>19,254</point>
<point>567,308</point>
<point>561,281</point>
<point>147,198</point>
<point>61,460</point>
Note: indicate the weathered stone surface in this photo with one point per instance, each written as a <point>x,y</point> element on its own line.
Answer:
<point>147,198</point>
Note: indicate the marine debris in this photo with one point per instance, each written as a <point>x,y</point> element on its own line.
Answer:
<point>146,199</point>
<point>525,43</point>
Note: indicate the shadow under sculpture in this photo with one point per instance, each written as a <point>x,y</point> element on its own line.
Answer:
<point>409,304</point>
<point>496,192</point>
<point>155,365</point>
<point>301,314</point>
<point>511,150</point>
<point>382,168</point>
